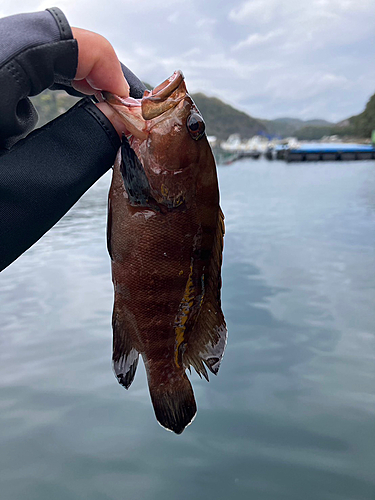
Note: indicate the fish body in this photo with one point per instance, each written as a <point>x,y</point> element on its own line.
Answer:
<point>165,238</point>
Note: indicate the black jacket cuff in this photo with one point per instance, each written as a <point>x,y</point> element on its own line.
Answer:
<point>43,54</point>
<point>62,23</point>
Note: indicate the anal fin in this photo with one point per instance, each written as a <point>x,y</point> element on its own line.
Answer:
<point>126,367</point>
<point>125,356</point>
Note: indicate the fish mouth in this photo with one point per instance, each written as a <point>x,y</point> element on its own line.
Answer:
<point>135,113</point>
<point>166,88</point>
<point>165,96</point>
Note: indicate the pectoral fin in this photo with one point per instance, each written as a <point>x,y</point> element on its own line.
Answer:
<point>134,177</point>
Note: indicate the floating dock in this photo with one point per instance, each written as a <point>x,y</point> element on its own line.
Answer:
<point>240,155</point>
<point>327,152</point>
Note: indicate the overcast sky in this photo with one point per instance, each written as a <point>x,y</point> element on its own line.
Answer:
<point>270,58</point>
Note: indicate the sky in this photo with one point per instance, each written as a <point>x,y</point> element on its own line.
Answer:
<point>270,58</point>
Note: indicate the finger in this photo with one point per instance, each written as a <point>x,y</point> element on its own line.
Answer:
<point>98,63</point>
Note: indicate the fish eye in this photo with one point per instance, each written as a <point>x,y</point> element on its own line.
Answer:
<point>195,126</point>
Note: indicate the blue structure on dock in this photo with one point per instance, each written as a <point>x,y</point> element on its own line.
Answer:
<point>327,152</point>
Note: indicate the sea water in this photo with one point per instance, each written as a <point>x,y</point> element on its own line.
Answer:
<point>291,415</point>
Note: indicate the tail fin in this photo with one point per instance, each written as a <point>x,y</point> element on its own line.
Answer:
<point>173,403</point>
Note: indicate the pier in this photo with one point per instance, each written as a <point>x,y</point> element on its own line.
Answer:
<point>329,152</point>
<point>291,150</point>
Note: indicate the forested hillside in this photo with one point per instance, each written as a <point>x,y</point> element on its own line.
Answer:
<point>287,127</point>
<point>222,120</point>
<point>364,123</point>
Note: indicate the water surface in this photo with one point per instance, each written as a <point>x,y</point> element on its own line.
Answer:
<point>291,414</point>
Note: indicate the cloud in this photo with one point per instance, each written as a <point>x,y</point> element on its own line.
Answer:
<point>267,57</point>
<point>254,10</point>
<point>206,22</point>
<point>257,39</point>
<point>173,18</point>
<point>305,86</point>
<point>266,11</point>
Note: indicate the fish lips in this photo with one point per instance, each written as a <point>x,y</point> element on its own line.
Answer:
<point>135,113</point>
<point>164,97</point>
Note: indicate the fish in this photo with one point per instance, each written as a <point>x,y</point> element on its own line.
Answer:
<point>165,235</point>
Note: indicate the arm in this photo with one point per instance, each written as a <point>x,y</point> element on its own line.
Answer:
<point>43,175</point>
<point>39,50</point>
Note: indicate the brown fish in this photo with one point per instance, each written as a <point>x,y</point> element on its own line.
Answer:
<point>165,239</point>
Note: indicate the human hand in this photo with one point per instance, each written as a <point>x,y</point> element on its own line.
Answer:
<point>99,69</point>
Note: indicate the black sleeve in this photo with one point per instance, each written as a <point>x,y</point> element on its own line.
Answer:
<point>37,50</point>
<point>43,175</point>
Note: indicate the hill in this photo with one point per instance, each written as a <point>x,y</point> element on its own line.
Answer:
<point>364,123</point>
<point>50,104</point>
<point>286,127</point>
<point>356,127</point>
<point>222,120</point>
